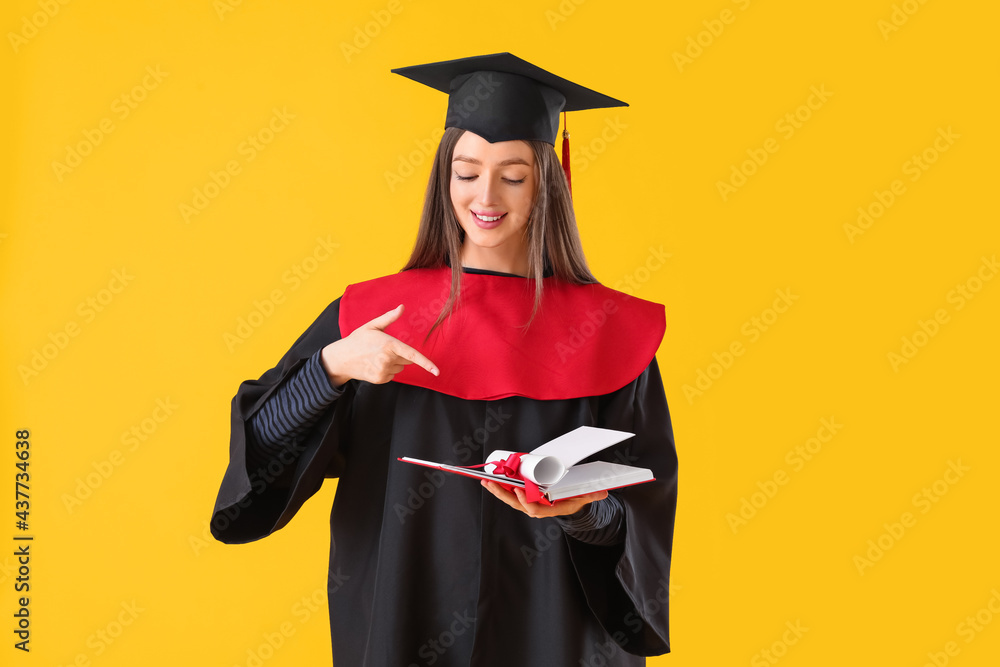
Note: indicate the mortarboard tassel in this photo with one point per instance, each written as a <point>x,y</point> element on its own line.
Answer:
<point>565,155</point>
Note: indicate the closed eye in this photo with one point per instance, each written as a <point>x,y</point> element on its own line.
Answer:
<point>506,180</point>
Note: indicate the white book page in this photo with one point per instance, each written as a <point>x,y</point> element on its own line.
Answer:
<point>596,476</point>
<point>580,443</point>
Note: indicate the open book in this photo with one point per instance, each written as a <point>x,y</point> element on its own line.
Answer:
<point>552,468</point>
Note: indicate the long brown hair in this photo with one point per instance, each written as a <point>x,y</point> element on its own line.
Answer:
<point>553,239</point>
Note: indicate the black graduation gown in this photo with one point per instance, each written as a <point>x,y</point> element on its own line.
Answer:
<point>428,568</point>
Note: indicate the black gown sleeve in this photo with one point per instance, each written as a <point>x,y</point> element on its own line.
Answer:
<point>600,522</point>
<point>627,584</point>
<point>254,499</point>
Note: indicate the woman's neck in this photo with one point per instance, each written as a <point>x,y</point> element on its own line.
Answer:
<point>513,260</point>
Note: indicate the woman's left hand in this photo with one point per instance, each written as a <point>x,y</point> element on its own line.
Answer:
<point>519,501</point>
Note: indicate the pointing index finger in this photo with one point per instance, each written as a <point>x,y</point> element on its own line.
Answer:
<point>413,356</point>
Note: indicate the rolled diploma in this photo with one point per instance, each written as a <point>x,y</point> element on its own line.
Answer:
<point>542,470</point>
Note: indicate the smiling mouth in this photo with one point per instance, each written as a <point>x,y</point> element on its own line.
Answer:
<point>488,218</point>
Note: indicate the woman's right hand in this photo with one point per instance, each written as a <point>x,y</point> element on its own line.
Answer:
<point>372,355</point>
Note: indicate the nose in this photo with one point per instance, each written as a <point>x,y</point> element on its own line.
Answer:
<point>488,192</point>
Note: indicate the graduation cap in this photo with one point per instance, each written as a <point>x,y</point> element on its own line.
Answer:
<point>501,97</point>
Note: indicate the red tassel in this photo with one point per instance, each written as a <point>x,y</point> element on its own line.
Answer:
<point>565,155</point>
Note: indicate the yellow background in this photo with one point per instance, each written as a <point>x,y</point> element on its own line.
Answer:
<point>139,541</point>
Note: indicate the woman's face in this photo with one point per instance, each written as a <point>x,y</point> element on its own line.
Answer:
<point>492,192</point>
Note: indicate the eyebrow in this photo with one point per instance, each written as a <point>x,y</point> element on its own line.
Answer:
<point>504,163</point>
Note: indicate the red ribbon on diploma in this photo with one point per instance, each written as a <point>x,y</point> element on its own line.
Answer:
<point>510,467</point>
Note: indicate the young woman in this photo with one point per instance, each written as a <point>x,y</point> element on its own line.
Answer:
<point>495,336</point>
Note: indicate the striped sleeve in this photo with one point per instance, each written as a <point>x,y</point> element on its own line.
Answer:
<point>601,522</point>
<point>291,411</point>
